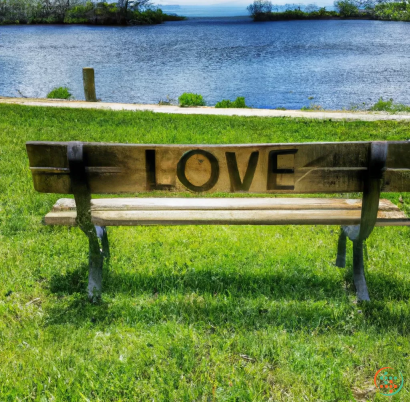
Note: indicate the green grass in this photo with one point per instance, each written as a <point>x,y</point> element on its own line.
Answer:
<point>59,93</point>
<point>191,313</point>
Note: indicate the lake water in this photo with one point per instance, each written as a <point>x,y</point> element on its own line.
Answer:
<point>273,64</point>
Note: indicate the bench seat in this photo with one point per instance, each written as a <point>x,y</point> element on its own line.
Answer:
<point>224,211</point>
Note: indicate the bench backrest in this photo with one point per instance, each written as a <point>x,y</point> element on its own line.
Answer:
<point>257,168</point>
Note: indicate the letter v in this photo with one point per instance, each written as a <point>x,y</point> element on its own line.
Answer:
<point>233,170</point>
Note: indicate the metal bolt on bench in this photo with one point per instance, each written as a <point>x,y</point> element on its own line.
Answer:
<point>83,169</point>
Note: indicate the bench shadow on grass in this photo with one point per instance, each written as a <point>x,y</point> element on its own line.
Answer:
<point>254,301</point>
<point>274,285</point>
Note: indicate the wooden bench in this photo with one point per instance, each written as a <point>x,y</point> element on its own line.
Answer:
<point>83,169</point>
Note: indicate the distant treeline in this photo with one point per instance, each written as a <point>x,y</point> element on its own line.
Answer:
<point>122,12</point>
<point>262,10</point>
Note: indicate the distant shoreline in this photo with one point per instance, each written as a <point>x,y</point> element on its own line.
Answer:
<point>101,14</point>
<point>348,9</point>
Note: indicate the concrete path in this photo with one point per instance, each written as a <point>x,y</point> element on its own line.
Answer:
<point>367,116</point>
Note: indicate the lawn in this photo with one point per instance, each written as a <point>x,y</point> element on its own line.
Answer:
<point>191,313</point>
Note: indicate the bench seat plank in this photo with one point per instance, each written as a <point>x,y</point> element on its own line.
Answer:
<point>223,211</point>
<point>157,204</point>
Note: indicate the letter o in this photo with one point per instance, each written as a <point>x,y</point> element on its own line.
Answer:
<point>214,171</point>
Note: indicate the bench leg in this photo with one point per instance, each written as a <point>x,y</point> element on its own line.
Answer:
<point>96,259</point>
<point>103,236</point>
<point>341,250</point>
<point>358,272</point>
<point>95,234</point>
<point>353,233</point>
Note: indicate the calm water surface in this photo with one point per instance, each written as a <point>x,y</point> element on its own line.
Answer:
<point>279,64</point>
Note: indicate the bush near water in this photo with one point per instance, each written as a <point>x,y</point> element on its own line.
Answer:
<point>189,99</point>
<point>60,93</point>
<point>238,103</point>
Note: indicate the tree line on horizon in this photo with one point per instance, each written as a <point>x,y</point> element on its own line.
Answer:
<point>391,10</point>
<point>121,12</point>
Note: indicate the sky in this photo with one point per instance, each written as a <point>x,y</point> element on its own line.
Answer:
<point>205,2</point>
<point>225,7</point>
<point>235,3</point>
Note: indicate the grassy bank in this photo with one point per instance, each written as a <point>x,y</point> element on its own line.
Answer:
<point>191,313</point>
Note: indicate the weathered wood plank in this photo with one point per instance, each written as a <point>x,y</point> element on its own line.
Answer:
<point>257,168</point>
<point>157,204</point>
<point>226,217</point>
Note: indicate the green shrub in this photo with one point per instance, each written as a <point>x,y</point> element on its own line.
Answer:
<point>392,11</point>
<point>347,8</point>
<point>190,99</point>
<point>60,93</point>
<point>389,106</point>
<point>239,103</point>
<point>147,17</point>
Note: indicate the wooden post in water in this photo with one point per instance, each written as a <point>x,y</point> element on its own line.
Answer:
<point>89,84</point>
